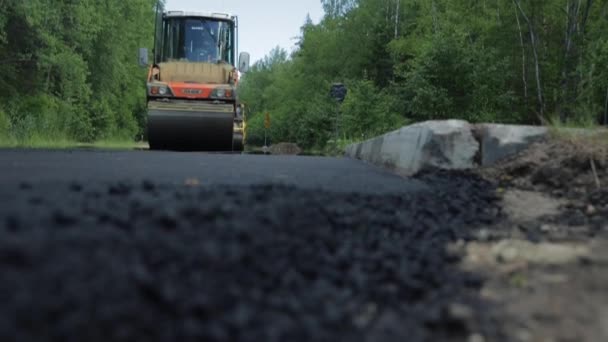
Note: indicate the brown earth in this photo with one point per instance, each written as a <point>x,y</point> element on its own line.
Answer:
<point>285,149</point>
<point>546,264</point>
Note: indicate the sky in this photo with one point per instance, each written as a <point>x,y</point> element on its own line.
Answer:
<point>263,24</point>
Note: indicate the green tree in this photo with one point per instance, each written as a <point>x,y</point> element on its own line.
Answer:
<point>69,69</point>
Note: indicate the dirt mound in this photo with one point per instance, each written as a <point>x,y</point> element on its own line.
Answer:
<point>565,166</point>
<point>545,262</point>
<point>571,169</point>
<point>285,149</point>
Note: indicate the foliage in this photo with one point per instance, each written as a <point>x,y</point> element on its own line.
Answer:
<point>68,69</point>
<point>5,127</point>
<point>368,111</point>
<point>510,61</point>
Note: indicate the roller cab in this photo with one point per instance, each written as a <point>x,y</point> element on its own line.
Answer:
<point>191,90</point>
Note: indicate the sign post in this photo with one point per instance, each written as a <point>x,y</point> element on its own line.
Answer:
<point>266,128</point>
<point>338,92</point>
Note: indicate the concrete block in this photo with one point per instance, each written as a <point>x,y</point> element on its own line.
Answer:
<point>439,144</point>
<point>501,141</point>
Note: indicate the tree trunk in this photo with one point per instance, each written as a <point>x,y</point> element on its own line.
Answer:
<point>575,27</point>
<point>586,15</point>
<point>47,85</point>
<point>572,12</point>
<point>397,19</point>
<point>434,15</point>
<point>606,109</point>
<point>533,41</point>
<point>524,72</point>
<point>498,11</point>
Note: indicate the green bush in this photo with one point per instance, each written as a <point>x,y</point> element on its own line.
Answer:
<point>37,116</point>
<point>368,111</point>
<point>5,128</point>
<point>315,123</point>
<point>72,75</point>
<point>255,130</point>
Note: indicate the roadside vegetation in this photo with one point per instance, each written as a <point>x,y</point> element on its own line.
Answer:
<point>507,61</point>
<point>69,72</point>
<point>37,142</point>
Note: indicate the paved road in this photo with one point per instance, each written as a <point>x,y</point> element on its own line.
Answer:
<point>333,174</point>
<point>111,246</point>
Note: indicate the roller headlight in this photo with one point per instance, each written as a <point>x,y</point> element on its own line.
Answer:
<point>222,93</point>
<point>159,90</point>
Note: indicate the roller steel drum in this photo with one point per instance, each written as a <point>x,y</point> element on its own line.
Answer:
<point>190,126</point>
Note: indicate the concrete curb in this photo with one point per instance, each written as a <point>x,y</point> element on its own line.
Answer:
<point>451,144</point>
<point>501,141</point>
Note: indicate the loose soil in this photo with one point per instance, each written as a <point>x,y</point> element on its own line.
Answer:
<point>546,265</point>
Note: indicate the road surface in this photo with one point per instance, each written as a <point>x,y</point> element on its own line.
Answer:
<point>94,166</point>
<point>160,246</point>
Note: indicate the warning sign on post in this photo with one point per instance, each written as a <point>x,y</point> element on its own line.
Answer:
<point>267,120</point>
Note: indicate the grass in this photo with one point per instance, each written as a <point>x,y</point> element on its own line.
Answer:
<point>580,123</point>
<point>45,135</point>
<point>591,134</point>
<point>117,145</point>
<point>35,142</point>
<point>585,132</point>
<point>338,147</point>
<point>585,144</point>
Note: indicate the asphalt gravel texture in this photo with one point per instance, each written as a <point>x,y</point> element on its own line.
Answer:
<point>153,258</point>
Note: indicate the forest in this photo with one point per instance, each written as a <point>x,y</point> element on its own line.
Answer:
<point>69,71</point>
<point>504,61</point>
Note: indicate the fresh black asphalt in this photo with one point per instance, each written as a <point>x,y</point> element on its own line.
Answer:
<point>160,246</point>
<point>94,166</point>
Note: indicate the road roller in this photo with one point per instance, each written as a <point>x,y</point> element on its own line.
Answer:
<point>192,83</point>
